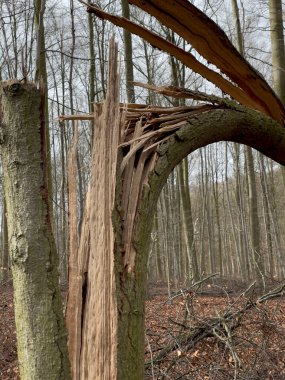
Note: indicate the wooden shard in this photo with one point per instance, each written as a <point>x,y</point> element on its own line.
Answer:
<point>73,265</point>
<point>246,85</point>
<point>212,43</point>
<point>187,58</point>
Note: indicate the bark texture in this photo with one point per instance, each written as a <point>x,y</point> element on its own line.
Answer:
<point>41,333</point>
<point>277,46</point>
<point>249,160</point>
<point>278,52</point>
<point>41,79</point>
<point>128,47</point>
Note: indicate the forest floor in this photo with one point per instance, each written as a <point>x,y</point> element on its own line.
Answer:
<point>208,332</point>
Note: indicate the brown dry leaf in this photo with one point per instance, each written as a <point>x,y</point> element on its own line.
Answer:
<point>195,354</point>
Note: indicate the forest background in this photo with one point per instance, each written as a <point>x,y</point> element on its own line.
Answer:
<point>221,210</point>
<point>220,213</point>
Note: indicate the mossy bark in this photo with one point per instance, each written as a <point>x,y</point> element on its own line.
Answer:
<point>41,334</point>
<point>130,291</point>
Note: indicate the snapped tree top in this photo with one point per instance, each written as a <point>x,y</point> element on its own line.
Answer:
<point>210,41</point>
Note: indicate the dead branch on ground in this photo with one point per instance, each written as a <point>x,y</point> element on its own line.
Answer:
<point>220,327</point>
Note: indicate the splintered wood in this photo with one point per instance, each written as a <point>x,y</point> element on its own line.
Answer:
<point>100,313</point>
<point>131,132</point>
<point>246,85</point>
<point>73,264</point>
<point>92,330</point>
<point>142,129</point>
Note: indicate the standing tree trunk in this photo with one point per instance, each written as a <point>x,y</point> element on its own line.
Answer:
<point>92,70</point>
<point>278,53</point>
<point>5,248</point>
<point>253,213</point>
<point>277,47</point>
<point>41,333</point>
<point>218,233</point>
<point>266,216</point>
<point>253,209</point>
<point>278,63</point>
<point>239,196</point>
<point>188,227</point>
<point>128,55</point>
<point>41,78</point>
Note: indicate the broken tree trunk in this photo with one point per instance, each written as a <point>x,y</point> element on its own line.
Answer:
<point>134,153</point>
<point>41,334</point>
<point>92,308</point>
<point>98,358</point>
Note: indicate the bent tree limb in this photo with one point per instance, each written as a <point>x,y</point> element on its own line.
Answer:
<point>241,125</point>
<point>41,334</point>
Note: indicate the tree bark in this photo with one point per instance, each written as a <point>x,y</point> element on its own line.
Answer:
<point>5,249</point>
<point>278,53</point>
<point>188,227</point>
<point>41,78</point>
<point>128,46</point>
<point>92,70</point>
<point>277,46</point>
<point>41,333</point>
<point>253,209</point>
<point>254,218</point>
